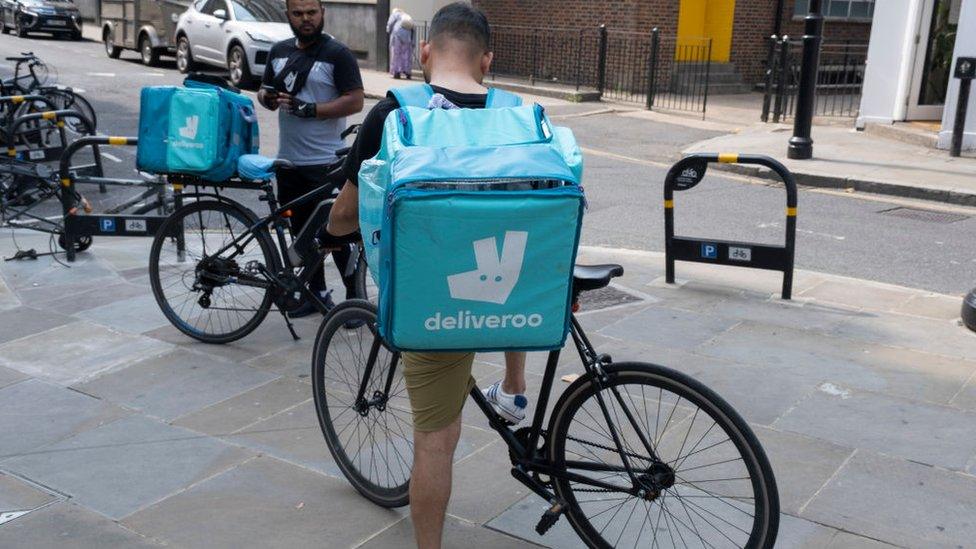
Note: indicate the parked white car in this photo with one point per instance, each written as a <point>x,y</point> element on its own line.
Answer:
<point>235,34</point>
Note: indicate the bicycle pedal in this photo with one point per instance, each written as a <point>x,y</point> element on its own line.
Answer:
<point>549,519</point>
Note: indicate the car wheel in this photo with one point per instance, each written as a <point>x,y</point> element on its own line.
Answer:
<point>184,59</point>
<point>149,54</point>
<point>76,36</point>
<point>240,73</point>
<point>111,49</point>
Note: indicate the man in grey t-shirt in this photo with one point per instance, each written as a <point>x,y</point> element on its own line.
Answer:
<point>314,82</point>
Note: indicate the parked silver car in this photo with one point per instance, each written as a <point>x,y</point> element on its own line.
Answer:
<point>235,34</point>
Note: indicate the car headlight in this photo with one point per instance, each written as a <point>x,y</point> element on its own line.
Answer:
<point>258,37</point>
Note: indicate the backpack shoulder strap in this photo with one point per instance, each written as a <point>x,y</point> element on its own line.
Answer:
<point>498,99</point>
<point>413,96</point>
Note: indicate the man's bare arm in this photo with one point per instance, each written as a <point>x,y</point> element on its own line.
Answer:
<point>344,217</point>
<point>346,104</point>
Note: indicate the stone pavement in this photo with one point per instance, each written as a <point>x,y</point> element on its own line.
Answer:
<point>118,431</point>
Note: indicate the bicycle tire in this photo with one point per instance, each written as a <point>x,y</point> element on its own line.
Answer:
<point>72,100</point>
<point>162,243</point>
<point>331,408</point>
<point>765,521</point>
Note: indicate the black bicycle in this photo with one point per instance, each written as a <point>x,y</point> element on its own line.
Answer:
<point>634,454</point>
<point>31,77</point>
<point>215,270</point>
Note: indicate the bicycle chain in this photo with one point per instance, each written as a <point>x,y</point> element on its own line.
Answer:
<point>602,447</point>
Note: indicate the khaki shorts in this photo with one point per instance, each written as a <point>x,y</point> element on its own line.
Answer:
<point>438,384</point>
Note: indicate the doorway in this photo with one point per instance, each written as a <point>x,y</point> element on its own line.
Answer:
<point>933,59</point>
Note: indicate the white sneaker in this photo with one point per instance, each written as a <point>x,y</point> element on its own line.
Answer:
<point>510,407</point>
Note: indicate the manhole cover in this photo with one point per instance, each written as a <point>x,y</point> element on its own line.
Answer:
<point>605,298</point>
<point>929,216</point>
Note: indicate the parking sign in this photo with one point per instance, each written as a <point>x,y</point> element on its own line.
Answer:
<point>709,251</point>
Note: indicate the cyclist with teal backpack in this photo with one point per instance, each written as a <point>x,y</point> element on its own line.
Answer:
<point>455,61</point>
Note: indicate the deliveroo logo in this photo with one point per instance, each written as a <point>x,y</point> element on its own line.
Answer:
<point>189,131</point>
<point>491,282</point>
<point>495,277</point>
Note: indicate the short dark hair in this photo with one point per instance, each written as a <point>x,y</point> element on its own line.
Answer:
<point>464,22</point>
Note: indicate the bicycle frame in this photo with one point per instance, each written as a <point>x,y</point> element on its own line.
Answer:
<point>276,220</point>
<point>527,459</point>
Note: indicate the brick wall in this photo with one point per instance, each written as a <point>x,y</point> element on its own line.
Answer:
<point>515,49</point>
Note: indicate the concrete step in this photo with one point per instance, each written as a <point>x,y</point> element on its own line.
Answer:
<point>906,133</point>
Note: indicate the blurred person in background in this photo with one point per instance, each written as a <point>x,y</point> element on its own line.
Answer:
<point>400,28</point>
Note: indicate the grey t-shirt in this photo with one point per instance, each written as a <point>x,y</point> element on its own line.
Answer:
<point>311,141</point>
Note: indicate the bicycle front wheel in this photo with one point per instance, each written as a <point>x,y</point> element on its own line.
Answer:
<point>215,298</point>
<point>361,400</point>
<point>692,473</point>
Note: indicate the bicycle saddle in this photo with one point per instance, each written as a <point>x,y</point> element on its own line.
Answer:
<point>254,167</point>
<point>594,277</point>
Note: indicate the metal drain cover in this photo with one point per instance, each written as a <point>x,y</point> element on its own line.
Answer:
<point>929,216</point>
<point>604,298</point>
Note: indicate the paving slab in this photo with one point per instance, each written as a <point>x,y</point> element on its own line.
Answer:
<point>846,540</point>
<point>520,520</point>
<point>37,413</point>
<point>52,294</point>
<point>24,321</point>
<point>45,271</point>
<point>675,328</point>
<point>8,300</point>
<point>858,294</point>
<point>797,533</point>
<point>941,337</point>
<point>82,300</point>
<point>931,434</point>
<point>802,465</point>
<point>77,352</point>
<point>489,466</point>
<point>124,466</point>
<point>175,384</point>
<point>9,377</point>
<point>932,306</point>
<point>18,495</point>
<point>265,503</point>
<point>134,315</point>
<point>802,356</point>
<point>292,360</point>
<point>967,396</point>
<point>294,435</point>
<point>67,524</point>
<point>236,413</point>
<point>868,497</point>
<point>272,335</point>
<point>458,534</point>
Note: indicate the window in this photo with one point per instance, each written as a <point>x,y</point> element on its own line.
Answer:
<point>855,10</point>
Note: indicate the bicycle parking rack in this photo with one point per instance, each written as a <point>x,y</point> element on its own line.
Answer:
<point>55,153</point>
<point>687,173</point>
<point>78,224</point>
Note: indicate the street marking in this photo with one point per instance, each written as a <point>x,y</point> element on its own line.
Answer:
<point>616,156</point>
<point>103,74</point>
<point>111,157</point>
<point>152,74</point>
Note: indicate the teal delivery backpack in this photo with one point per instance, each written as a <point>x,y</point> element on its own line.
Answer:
<point>199,129</point>
<point>471,219</point>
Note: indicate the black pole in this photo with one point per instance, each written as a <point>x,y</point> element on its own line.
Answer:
<point>778,18</point>
<point>782,87</point>
<point>602,62</point>
<point>768,80</point>
<point>962,106</point>
<point>801,145</point>
<point>652,71</point>
<point>382,38</point>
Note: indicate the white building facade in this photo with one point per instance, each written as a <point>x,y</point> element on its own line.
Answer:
<point>911,57</point>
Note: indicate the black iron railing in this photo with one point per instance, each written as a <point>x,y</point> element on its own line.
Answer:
<point>840,79</point>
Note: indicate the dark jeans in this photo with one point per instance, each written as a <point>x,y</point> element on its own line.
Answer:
<point>297,181</point>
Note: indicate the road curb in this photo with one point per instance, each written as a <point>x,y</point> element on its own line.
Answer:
<point>861,185</point>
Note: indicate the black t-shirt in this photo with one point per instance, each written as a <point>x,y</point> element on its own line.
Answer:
<point>370,135</point>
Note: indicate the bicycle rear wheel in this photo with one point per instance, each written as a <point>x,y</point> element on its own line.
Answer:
<point>70,100</point>
<point>370,438</point>
<point>692,472</point>
<point>212,298</point>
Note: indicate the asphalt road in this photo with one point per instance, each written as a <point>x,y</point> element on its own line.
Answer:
<point>626,161</point>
